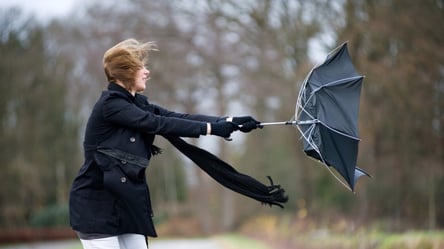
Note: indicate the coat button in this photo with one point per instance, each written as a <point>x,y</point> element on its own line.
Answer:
<point>123,162</point>
<point>132,139</point>
<point>123,179</point>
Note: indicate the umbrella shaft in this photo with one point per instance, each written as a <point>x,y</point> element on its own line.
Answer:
<point>279,123</point>
<point>294,122</point>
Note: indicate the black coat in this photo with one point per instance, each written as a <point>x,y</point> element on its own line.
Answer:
<point>110,193</point>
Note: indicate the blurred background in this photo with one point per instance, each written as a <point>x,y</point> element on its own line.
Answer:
<point>232,58</point>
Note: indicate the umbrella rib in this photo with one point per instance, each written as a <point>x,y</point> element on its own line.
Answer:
<point>301,93</point>
<point>310,130</point>
<point>339,132</point>
<point>332,83</point>
<point>337,178</point>
<point>303,110</point>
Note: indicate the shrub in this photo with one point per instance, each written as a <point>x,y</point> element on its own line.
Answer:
<point>52,216</point>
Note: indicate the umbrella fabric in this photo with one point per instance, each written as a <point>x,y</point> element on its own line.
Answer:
<point>327,113</point>
<point>228,176</point>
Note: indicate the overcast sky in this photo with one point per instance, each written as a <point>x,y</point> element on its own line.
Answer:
<point>47,9</point>
<point>42,8</point>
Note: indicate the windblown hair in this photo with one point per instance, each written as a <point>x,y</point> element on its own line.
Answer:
<point>122,61</point>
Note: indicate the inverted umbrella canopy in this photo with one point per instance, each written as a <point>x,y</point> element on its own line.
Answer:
<point>327,108</point>
<point>327,114</point>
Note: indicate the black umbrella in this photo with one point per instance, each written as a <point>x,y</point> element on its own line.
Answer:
<point>327,114</point>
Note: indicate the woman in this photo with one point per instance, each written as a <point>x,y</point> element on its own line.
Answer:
<point>109,199</point>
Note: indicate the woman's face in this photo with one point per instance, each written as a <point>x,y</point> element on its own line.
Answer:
<point>142,75</point>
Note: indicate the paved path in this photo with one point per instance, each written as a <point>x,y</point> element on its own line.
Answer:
<point>153,243</point>
<point>69,244</point>
<point>184,244</point>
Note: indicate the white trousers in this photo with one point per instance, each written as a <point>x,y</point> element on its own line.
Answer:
<point>124,241</point>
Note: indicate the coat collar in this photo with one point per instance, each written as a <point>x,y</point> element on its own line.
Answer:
<point>115,87</point>
<point>139,99</point>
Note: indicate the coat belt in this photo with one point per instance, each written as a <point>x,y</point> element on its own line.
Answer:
<point>125,156</point>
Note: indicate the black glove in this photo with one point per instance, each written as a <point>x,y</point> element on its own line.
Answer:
<point>222,129</point>
<point>246,123</point>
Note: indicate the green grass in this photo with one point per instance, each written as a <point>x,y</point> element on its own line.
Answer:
<point>373,240</point>
<point>414,240</point>
<point>77,247</point>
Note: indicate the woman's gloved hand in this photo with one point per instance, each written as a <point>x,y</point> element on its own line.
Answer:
<point>222,129</point>
<point>246,123</point>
